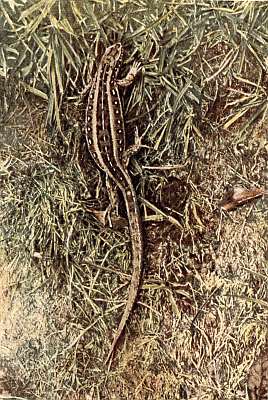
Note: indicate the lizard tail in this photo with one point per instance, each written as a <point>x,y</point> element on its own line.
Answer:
<point>137,253</point>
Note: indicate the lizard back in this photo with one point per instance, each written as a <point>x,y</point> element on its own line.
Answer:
<point>105,134</point>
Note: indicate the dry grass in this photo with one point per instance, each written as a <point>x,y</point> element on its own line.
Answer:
<point>201,314</point>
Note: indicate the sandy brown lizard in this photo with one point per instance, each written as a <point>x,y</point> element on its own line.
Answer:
<point>105,136</point>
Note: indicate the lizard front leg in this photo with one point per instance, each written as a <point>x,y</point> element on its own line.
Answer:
<point>129,78</point>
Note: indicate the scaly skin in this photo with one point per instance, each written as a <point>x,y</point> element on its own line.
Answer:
<point>106,142</point>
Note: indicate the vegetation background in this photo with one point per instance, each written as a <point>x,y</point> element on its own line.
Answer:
<point>200,105</point>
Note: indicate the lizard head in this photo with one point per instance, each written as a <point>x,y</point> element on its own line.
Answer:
<point>112,54</point>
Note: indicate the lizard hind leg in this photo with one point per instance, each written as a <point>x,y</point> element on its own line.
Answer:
<point>107,216</point>
<point>132,150</point>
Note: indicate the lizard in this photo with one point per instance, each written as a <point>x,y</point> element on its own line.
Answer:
<point>105,137</point>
